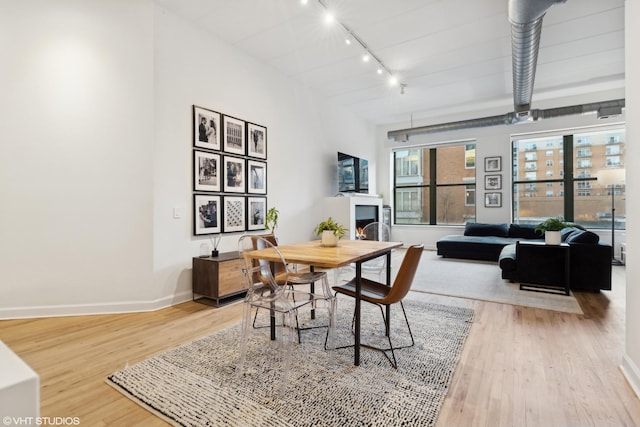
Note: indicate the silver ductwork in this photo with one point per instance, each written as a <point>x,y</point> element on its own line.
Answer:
<point>525,17</point>
<point>606,108</point>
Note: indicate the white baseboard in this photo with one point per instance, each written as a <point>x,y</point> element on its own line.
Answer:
<point>632,373</point>
<point>91,309</point>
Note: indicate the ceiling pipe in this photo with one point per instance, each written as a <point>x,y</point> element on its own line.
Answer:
<point>525,17</point>
<point>603,109</point>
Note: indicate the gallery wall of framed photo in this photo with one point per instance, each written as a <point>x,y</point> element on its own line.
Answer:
<point>229,173</point>
<point>493,182</point>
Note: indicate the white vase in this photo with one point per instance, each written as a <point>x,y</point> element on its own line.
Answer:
<point>329,238</point>
<point>552,237</point>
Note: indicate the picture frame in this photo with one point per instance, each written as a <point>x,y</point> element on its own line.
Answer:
<point>206,171</point>
<point>256,213</point>
<point>234,214</point>
<point>257,177</point>
<point>234,135</point>
<point>206,128</point>
<point>493,182</point>
<point>256,141</point>
<point>493,200</point>
<point>493,164</point>
<point>234,175</point>
<point>207,210</point>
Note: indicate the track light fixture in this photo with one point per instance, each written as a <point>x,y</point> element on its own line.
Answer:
<point>367,56</point>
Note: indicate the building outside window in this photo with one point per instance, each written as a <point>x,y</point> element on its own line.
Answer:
<point>441,188</point>
<point>588,199</point>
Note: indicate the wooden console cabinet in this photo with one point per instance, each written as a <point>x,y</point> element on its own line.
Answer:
<point>218,278</point>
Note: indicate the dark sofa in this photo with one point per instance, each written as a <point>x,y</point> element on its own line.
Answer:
<point>590,260</point>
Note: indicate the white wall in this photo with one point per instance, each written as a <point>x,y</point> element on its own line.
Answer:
<point>631,360</point>
<point>96,152</point>
<point>76,155</point>
<point>304,135</point>
<point>490,141</point>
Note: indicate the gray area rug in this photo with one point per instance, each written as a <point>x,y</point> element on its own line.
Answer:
<point>196,385</point>
<point>481,280</point>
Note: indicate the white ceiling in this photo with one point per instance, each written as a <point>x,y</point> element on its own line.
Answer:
<point>453,55</point>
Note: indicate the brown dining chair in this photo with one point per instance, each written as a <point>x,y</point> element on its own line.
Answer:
<point>384,296</point>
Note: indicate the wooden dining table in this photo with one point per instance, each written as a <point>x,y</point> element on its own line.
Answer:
<point>347,252</point>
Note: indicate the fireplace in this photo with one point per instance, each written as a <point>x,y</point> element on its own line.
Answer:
<point>365,214</point>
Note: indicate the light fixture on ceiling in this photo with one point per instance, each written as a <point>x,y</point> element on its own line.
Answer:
<point>368,55</point>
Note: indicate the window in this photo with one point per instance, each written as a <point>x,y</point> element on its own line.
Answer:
<point>575,185</point>
<point>443,191</point>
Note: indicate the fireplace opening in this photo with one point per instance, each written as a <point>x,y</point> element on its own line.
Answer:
<point>365,215</point>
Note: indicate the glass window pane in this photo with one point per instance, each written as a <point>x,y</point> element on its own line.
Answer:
<point>452,207</point>
<point>533,204</point>
<point>412,205</point>
<point>412,167</point>
<point>452,165</point>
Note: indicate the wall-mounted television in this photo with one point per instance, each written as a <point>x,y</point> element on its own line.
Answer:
<point>353,174</point>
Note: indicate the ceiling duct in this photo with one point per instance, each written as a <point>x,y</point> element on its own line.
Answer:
<point>611,107</point>
<point>525,17</point>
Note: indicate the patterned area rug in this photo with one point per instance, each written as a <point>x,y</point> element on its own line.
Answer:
<point>196,385</point>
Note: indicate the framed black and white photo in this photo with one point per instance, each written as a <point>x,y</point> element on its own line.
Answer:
<point>234,175</point>
<point>206,171</point>
<point>234,215</point>
<point>233,141</point>
<point>493,164</point>
<point>256,212</point>
<point>256,141</point>
<point>492,200</point>
<point>207,211</point>
<point>493,182</point>
<point>206,128</point>
<point>257,177</point>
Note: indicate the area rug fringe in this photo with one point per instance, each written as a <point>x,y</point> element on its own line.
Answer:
<point>195,384</point>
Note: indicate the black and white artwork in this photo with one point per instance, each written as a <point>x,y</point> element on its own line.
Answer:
<point>493,182</point>
<point>234,135</point>
<point>257,177</point>
<point>207,214</point>
<point>206,128</point>
<point>206,169</point>
<point>234,175</point>
<point>492,200</point>
<point>234,214</point>
<point>256,209</point>
<point>493,164</point>
<point>256,141</point>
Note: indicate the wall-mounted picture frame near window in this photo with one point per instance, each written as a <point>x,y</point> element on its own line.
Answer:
<point>207,211</point>
<point>234,174</point>
<point>234,214</point>
<point>234,135</point>
<point>493,182</point>
<point>256,212</point>
<point>493,200</point>
<point>206,171</point>
<point>256,141</point>
<point>257,177</point>
<point>206,128</point>
<point>493,164</point>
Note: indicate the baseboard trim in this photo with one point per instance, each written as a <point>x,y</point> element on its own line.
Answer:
<point>93,309</point>
<point>632,374</point>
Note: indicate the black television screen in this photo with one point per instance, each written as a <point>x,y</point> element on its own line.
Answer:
<point>353,174</point>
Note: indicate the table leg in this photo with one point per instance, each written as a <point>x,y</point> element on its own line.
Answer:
<point>388,322</point>
<point>356,346</point>
<point>312,288</point>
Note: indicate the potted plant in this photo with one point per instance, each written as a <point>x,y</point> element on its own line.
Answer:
<point>551,228</point>
<point>271,220</point>
<point>330,232</point>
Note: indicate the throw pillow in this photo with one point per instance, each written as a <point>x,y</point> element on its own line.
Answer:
<point>479,229</point>
<point>583,237</point>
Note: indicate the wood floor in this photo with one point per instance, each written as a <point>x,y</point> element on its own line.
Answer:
<point>520,366</point>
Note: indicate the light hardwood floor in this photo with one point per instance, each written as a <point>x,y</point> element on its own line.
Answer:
<point>520,366</point>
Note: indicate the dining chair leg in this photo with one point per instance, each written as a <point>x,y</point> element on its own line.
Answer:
<point>246,321</point>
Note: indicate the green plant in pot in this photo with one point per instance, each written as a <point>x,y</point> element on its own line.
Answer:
<point>551,228</point>
<point>271,220</point>
<point>330,232</point>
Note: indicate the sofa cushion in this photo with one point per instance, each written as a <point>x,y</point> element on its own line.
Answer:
<point>479,229</point>
<point>580,236</point>
<point>524,231</point>
<point>507,259</point>
<point>566,232</point>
